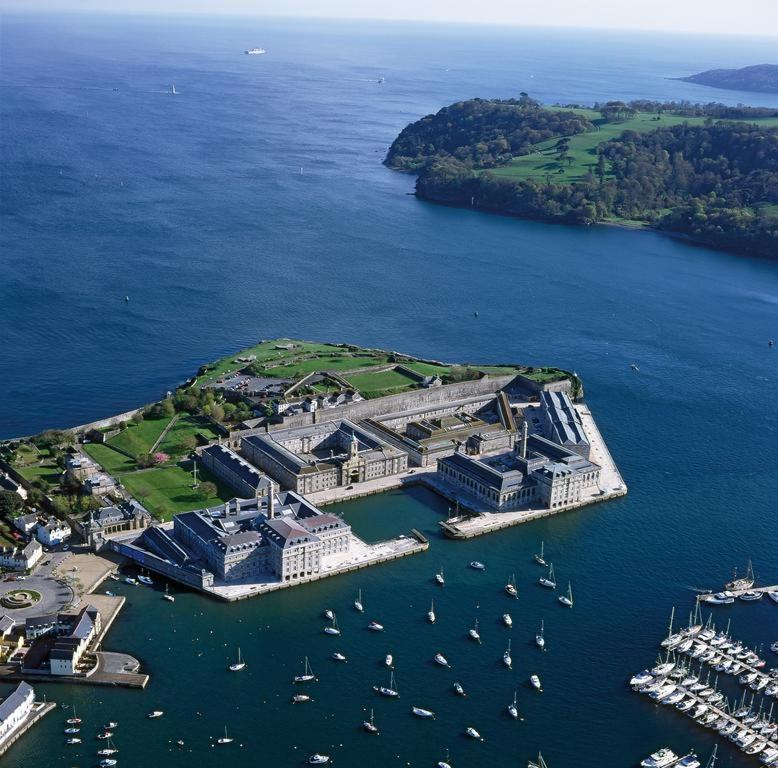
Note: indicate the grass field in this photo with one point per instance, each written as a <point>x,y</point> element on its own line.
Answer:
<point>543,162</point>
<point>381,383</point>
<point>168,490</point>
<point>186,426</point>
<point>110,460</point>
<point>138,438</point>
<point>332,362</point>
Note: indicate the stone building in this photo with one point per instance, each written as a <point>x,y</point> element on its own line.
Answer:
<point>53,532</point>
<point>21,558</point>
<point>322,456</point>
<point>14,710</point>
<point>562,423</point>
<point>233,470</point>
<point>101,524</point>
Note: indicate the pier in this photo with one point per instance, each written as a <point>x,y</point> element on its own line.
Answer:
<point>735,593</point>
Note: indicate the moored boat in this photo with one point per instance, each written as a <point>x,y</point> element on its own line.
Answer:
<point>477,565</point>
<point>535,682</point>
<point>421,712</point>
<point>549,580</point>
<point>307,675</point>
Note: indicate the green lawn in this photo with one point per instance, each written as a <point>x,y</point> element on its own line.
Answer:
<point>48,471</point>
<point>428,369</point>
<point>498,370</point>
<point>345,361</point>
<point>138,438</point>
<point>168,490</point>
<point>544,375</point>
<point>543,163</point>
<point>381,382</point>
<point>110,460</point>
<point>186,426</point>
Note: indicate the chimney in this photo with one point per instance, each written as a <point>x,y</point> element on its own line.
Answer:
<point>524,440</point>
<point>271,504</point>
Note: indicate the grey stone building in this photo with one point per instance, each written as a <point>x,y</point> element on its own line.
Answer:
<point>233,470</point>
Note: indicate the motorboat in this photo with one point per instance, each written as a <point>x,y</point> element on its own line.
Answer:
<point>431,613</point>
<point>440,578</point>
<point>540,639</point>
<point>318,759</point>
<point>369,725</point>
<point>307,675</point>
<point>773,595</point>
<point>718,599</point>
<point>338,656</point>
<point>688,761</point>
<point>329,614</point>
<point>441,659</point>
<point>459,690</point>
<point>130,580</point>
<point>567,600</point>
<point>474,634</point>
<point>476,565</point>
<point>238,665</point>
<point>72,730</point>
<point>333,628</point>
<point>539,558</point>
<point>641,678</point>
<point>375,626</point>
<point>225,739</point>
<point>535,682</point>
<point>390,691</point>
<point>300,698</point>
<point>113,577</point>
<point>107,762</point>
<point>510,587</point>
<point>507,620</point>
<point>154,714</point>
<point>506,657</point>
<point>358,603</point>
<point>73,740</point>
<point>513,708</point>
<point>662,758</point>
<point>751,596</point>
<point>145,580</point>
<point>110,726</point>
<point>420,712</point>
<point>549,580</point>
<point>473,734</point>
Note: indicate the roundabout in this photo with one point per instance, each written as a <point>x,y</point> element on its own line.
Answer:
<point>20,598</point>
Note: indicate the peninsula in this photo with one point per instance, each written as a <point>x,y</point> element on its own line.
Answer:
<point>708,173</point>
<point>221,486</point>
<point>760,78</point>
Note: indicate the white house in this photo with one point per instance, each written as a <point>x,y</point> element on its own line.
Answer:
<point>68,650</point>
<point>21,558</point>
<point>14,710</point>
<point>53,533</point>
<point>26,523</point>
<point>7,483</point>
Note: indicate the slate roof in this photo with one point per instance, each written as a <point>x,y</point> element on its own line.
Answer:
<point>15,700</point>
<point>248,473</point>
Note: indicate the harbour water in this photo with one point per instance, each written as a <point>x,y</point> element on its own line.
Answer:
<point>195,207</point>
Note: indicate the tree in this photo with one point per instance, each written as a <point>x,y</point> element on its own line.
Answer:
<point>187,443</point>
<point>138,417</point>
<point>207,490</point>
<point>10,503</point>
<point>217,412</point>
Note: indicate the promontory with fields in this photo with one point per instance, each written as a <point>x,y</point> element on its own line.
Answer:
<point>706,172</point>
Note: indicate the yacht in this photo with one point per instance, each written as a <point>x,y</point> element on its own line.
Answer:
<point>358,603</point>
<point>300,698</point>
<point>255,51</point>
<point>329,614</point>
<point>375,626</point>
<point>154,714</point>
<point>391,691</point>
<point>535,682</point>
<point>474,634</point>
<point>549,580</point>
<point>440,578</point>
<point>540,639</point>
<point>318,759</point>
<point>238,665</point>
<point>477,566</point>
<point>145,580</point>
<point>225,739</point>
<point>419,712</point>
<point>660,759</point>
<point>431,613</point>
<point>307,675</point>
<point>337,656</point>
<point>369,725</point>
<point>539,558</point>
<point>507,620</point>
<point>641,678</point>
<point>510,587</point>
<point>745,582</point>
<point>513,708</point>
<point>445,763</point>
<point>459,690</point>
<point>751,595</point>
<point>333,629</point>
<point>539,763</point>
<point>506,657</point>
<point>441,659</point>
<point>473,734</point>
<point>567,600</point>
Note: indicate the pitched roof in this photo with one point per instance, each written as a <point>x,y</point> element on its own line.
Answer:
<point>15,700</point>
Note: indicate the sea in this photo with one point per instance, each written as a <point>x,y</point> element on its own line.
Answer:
<point>253,204</point>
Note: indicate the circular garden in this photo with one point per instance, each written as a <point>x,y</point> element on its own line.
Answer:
<point>20,598</point>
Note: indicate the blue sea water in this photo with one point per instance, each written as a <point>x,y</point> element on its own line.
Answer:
<point>195,207</point>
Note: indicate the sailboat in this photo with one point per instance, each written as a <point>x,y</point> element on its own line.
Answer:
<point>167,596</point>
<point>513,707</point>
<point>440,578</point>
<point>238,665</point>
<point>75,720</point>
<point>539,559</point>
<point>548,580</point>
<point>445,763</point>
<point>173,91</point>
<point>431,613</point>
<point>421,712</point>
<point>510,587</point>
<point>506,657</point>
<point>307,676</point>
<point>358,603</point>
<point>369,725</point>
<point>507,620</point>
<point>108,750</point>
<point>535,682</point>
<point>474,634</point>
<point>567,600</point>
<point>745,582</point>
<point>390,691</point>
<point>333,629</point>
<point>541,763</point>
<point>540,639</point>
<point>225,739</point>
<point>439,658</point>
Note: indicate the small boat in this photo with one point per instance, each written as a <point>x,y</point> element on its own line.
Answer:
<point>358,603</point>
<point>114,577</point>
<point>389,660</point>
<point>110,726</point>
<point>535,682</point>
<point>318,759</point>
<point>567,600</point>
<point>459,690</point>
<point>109,593</point>
<point>507,620</point>
<point>104,735</point>
<point>662,758</point>
<point>473,734</point>
<point>301,698</point>
<point>106,751</point>
<point>145,580</point>
<point>510,587</point>
<point>337,656</point>
<point>167,596</point>
<point>445,763</point>
<point>431,613</point>
<point>420,712</point>
<point>329,614</point>
<point>307,675</point>
<point>130,580</point>
<point>225,739</point>
<point>513,707</point>
<point>375,626</point>
<point>477,566</point>
<point>440,578</point>
<point>473,632</point>
<point>238,665</point>
<point>390,691</point>
<point>540,559</point>
<point>75,720</point>
<point>751,595</point>
<point>73,740</point>
<point>369,725</point>
<point>506,657</point>
<point>549,580</point>
<point>641,679</point>
<point>107,762</point>
<point>441,659</point>
<point>72,729</point>
<point>333,629</point>
<point>634,366</point>
<point>540,639</point>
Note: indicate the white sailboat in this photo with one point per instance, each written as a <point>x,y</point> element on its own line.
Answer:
<point>307,676</point>
<point>421,712</point>
<point>473,632</point>
<point>225,739</point>
<point>459,690</point>
<point>567,600</point>
<point>445,763</point>
<point>441,659</point>
<point>238,665</point>
<point>329,615</point>
<point>539,559</point>
<point>440,578</point>
<point>506,657</point>
<point>369,725</point>
<point>358,603</point>
<point>337,656</point>
<point>540,763</point>
<point>333,629</point>
<point>548,580</point>
<point>431,613</point>
<point>540,639</point>
<point>511,588</point>
<point>535,682</point>
<point>513,707</point>
<point>473,734</point>
<point>167,596</point>
<point>390,691</point>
